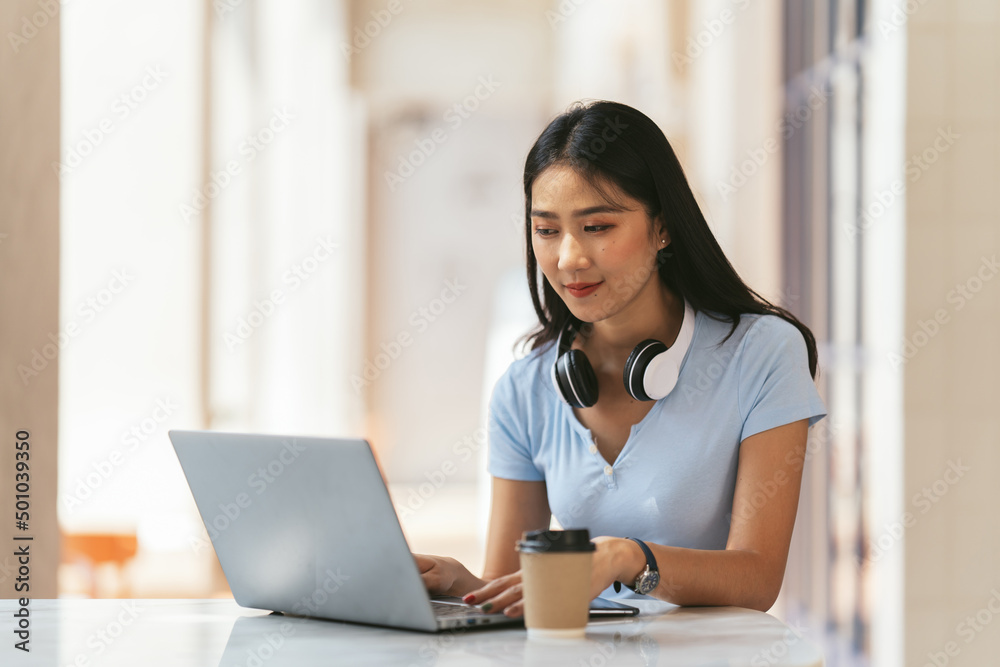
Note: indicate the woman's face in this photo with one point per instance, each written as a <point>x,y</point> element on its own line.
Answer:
<point>582,241</point>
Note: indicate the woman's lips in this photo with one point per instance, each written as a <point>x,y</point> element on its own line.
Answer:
<point>585,291</point>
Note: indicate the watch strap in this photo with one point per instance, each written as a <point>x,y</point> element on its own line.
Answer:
<point>650,562</point>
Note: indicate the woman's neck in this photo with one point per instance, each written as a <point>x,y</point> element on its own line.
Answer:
<point>656,313</point>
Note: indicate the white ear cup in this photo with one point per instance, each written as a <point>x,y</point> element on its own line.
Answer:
<point>652,370</point>
<point>660,376</point>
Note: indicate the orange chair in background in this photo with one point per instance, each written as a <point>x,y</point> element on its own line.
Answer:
<point>93,550</point>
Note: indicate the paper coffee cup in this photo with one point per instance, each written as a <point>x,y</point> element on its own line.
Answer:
<point>555,576</point>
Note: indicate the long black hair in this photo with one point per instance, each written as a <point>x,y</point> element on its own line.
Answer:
<point>611,143</point>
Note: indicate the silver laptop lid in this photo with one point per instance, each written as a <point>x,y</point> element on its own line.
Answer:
<point>304,525</point>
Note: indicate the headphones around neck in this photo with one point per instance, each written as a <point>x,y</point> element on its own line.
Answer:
<point>650,372</point>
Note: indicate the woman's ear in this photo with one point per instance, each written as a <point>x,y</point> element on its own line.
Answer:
<point>660,225</point>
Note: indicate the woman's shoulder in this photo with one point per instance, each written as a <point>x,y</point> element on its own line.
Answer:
<point>747,320</point>
<point>757,335</point>
<point>770,330</point>
<point>717,329</point>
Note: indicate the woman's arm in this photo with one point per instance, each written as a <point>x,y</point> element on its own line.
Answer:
<point>516,507</point>
<point>749,572</point>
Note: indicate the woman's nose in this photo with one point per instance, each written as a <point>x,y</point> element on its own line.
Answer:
<point>572,255</point>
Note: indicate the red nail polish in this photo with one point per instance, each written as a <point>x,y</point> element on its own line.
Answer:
<point>469,599</point>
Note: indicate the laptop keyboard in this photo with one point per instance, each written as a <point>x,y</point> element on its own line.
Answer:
<point>450,609</point>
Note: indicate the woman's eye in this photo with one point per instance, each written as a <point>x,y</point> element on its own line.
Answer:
<point>587,228</point>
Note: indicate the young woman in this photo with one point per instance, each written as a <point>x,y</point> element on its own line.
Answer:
<point>682,457</point>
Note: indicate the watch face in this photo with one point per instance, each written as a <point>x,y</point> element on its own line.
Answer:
<point>647,581</point>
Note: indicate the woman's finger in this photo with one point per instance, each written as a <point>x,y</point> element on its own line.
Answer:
<point>516,609</point>
<point>435,573</point>
<point>423,562</point>
<point>504,599</point>
<point>493,588</point>
<point>431,579</point>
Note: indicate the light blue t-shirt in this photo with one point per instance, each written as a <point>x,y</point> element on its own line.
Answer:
<point>674,480</point>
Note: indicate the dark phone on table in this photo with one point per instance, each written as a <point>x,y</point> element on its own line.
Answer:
<point>605,608</point>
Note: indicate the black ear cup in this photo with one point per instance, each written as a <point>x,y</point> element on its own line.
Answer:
<point>576,379</point>
<point>635,367</point>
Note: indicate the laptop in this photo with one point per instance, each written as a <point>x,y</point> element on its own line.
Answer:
<point>305,526</point>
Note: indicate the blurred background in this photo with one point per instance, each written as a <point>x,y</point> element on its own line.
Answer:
<point>306,217</point>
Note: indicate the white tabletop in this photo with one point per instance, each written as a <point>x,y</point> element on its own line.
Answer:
<point>218,632</point>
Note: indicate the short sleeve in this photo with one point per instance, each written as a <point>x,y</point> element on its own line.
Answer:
<point>775,387</point>
<point>509,444</point>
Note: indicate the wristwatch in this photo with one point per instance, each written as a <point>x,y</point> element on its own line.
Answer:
<point>649,578</point>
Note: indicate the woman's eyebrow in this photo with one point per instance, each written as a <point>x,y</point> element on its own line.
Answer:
<point>590,210</point>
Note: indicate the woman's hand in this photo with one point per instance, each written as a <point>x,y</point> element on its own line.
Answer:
<point>505,593</point>
<point>445,576</point>
<point>616,559</point>
<point>501,594</point>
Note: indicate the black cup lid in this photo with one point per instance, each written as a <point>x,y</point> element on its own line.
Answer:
<point>556,541</point>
